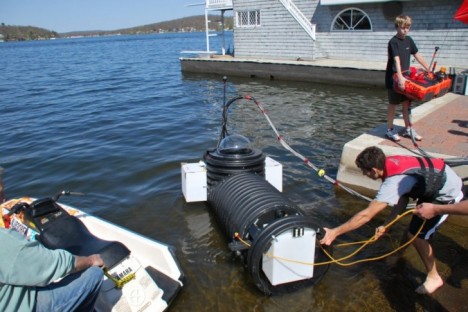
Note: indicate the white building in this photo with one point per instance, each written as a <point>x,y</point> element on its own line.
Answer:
<point>343,29</point>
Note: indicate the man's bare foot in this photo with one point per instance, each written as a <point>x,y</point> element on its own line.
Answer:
<point>429,286</point>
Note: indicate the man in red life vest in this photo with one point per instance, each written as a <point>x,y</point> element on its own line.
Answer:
<point>428,180</point>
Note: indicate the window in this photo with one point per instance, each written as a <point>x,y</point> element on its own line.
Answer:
<point>351,19</point>
<point>248,18</point>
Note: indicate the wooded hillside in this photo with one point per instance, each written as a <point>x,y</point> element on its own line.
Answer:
<point>20,33</point>
<point>187,24</point>
<point>193,23</point>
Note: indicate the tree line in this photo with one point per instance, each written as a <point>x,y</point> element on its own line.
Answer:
<point>21,33</point>
<point>187,24</point>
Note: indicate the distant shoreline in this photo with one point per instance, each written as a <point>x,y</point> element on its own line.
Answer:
<point>186,24</point>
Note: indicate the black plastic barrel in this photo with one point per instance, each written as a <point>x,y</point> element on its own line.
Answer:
<point>221,165</point>
<point>247,201</point>
<point>246,205</point>
<point>250,210</point>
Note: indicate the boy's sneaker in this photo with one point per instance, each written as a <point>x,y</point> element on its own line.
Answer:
<point>407,134</point>
<point>392,135</point>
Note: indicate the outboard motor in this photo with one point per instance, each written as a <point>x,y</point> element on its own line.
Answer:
<point>272,235</point>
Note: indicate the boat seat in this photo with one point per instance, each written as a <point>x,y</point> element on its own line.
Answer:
<point>59,230</point>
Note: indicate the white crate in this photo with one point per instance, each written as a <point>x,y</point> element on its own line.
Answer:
<point>290,258</point>
<point>274,173</point>
<point>194,182</point>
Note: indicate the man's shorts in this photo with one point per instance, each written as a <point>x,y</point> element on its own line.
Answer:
<point>395,98</point>
<point>429,227</point>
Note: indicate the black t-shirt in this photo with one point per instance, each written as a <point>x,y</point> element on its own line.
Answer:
<point>403,48</point>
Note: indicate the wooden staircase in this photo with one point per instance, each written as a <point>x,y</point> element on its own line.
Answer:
<point>300,17</point>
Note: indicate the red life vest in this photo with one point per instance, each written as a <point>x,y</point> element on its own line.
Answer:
<point>430,173</point>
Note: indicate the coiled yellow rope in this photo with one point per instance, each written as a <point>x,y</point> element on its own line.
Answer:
<point>364,244</point>
<point>367,242</point>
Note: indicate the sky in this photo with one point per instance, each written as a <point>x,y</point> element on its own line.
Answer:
<point>78,15</point>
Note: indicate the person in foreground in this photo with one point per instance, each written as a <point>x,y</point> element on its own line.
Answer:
<point>430,210</point>
<point>400,48</point>
<point>28,272</point>
<point>402,177</point>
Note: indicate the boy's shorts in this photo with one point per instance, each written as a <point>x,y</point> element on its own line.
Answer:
<point>429,227</point>
<point>395,98</point>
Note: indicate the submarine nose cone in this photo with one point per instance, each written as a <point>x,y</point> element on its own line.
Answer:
<point>235,144</point>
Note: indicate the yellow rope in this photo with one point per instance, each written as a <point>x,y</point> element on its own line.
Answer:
<point>397,218</point>
<point>364,244</point>
<point>236,235</point>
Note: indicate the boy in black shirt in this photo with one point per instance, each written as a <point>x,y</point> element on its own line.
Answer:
<point>400,49</point>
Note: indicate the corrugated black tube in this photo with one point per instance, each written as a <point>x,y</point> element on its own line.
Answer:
<point>246,200</point>
<point>220,166</point>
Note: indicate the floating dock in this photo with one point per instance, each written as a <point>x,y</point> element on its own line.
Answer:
<point>332,71</point>
<point>343,72</point>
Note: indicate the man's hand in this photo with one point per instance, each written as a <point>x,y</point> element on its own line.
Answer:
<point>82,263</point>
<point>425,210</point>
<point>401,83</point>
<point>330,236</point>
<point>358,220</point>
<point>96,260</point>
<point>379,232</point>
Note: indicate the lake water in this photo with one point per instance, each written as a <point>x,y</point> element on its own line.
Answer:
<point>114,117</point>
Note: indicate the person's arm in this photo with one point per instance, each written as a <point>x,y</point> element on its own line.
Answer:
<point>398,67</point>
<point>355,222</point>
<point>397,209</point>
<point>428,210</point>
<point>82,263</point>
<point>421,60</point>
<point>401,78</point>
